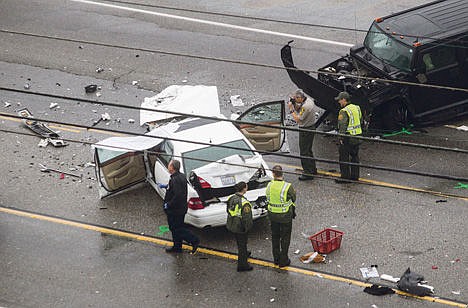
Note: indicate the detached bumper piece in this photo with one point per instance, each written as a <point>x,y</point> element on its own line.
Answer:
<point>41,129</point>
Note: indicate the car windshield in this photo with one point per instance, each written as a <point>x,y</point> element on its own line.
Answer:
<point>200,157</point>
<point>388,49</point>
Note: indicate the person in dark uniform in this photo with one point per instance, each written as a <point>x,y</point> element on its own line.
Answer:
<point>239,222</point>
<point>175,207</point>
<point>302,112</point>
<point>349,123</point>
<point>281,211</point>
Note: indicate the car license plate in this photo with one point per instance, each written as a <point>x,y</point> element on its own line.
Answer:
<point>228,180</point>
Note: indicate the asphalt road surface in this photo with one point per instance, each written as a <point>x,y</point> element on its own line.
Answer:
<point>60,263</point>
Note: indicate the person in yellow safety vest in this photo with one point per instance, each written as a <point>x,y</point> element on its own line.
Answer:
<point>349,123</point>
<point>239,222</point>
<point>281,211</point>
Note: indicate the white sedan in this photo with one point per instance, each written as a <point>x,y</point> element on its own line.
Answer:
<point>214,155</point>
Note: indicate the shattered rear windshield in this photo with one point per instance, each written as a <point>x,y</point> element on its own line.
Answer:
<point>389,49</point>
<point>213,153</point>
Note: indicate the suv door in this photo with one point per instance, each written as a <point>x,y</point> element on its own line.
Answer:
<point>440,65</point>
<point>264,138</point>
<point>117,170</point>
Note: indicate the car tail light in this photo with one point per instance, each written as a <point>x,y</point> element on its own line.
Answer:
<point>195,204</point>
<point>203,183</point>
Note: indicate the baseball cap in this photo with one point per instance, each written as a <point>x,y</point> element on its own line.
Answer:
<point>342,95</point>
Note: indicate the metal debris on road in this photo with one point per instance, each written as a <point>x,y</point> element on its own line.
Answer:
<point>99,69</point>
<point>53,105</point>
<point>43,143</point>
<point>6,104</point>
<point>273,288</point>
<point>105,117</point>
<point>456,292</point>
<point>27,86</point>
<point>134,82</point>
<point>46,169</point>
<point>91,88</point>
<point>131,121</point>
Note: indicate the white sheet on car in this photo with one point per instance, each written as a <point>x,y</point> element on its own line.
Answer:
<point>137,143</point>
<point>197,100</point>
<point>242,168</point>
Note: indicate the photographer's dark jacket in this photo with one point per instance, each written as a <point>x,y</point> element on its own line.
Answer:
<point>176,194</point>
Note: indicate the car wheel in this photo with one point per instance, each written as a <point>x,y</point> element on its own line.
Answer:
<point>396,117</point>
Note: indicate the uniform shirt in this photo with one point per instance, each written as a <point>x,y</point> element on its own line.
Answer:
<point>285,217</point>
<point>239,224</point>
<point>343,120</point>
<point>306,114</point>
<point>176,194</point>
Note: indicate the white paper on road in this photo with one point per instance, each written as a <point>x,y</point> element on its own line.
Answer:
<point>197,100</point>
<point>369,272</point>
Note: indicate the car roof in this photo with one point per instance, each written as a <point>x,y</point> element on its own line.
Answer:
<point>205,131</point>
<point>429,22</point>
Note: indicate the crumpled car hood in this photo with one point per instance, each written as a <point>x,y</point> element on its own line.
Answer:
<point>241,168</point>
<point>197,100</point>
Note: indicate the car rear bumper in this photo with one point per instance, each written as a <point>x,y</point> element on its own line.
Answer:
<point>215,215</point>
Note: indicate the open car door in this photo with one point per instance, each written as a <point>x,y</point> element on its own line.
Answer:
<point>264,138</point>
<point>122,162</point>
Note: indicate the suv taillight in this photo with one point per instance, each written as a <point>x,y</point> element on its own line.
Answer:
<point>195,204</point>
<point>203,183</point>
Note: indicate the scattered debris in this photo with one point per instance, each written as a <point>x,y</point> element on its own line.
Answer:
<point>456,292</point>
<point>369,272</point>
<point>58,84</point>
<point>438,201</point>
<point>46,169</point>
<point>37,127</point>
<point>273,288</point>
<point>91,88</point>
<point>297,251</point>
<point>43,143</point>
<point>374,306</point>
<point>378,290</point>
<point>389,278</point>
<point>236,101</point>
<point>131,121</point>
<point>62,176</point>
<point>53,105</point>
<point>163,229</point>
<point>434,267</point>
<point>99,69</point>
<point>27,86</point>
<point>6,104</point>
<point>314,257</point>
<point>461,185</point>
<point>105,117</point>
<point>272,300</point>
<point>184,81</point>
<point>462,127</point>
<point>412,283</point>
<point>134,82</point>
<point>98,94</point>
<point>89,164</point>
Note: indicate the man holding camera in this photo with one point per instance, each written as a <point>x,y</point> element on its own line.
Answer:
<point>302,112</point>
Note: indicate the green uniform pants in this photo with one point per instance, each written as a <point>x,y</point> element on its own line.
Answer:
<point>242,256</point>
<point>349,152</point>
<point>281,237</point>
<point>306,141</point>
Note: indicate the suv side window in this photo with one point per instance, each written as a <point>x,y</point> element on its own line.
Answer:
<point>439,57</point>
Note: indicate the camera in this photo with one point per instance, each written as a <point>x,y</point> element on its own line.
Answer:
<point>293,100</point>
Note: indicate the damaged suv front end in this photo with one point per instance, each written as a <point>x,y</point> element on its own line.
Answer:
<point>403,71</point>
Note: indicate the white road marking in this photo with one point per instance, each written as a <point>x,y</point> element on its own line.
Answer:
<point>218,24</point>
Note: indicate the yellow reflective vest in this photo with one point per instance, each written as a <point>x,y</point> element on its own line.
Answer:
<point>354,122</point>
<point>277,193</point>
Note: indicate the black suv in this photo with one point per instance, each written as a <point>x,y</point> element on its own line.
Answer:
<point>427,45</point>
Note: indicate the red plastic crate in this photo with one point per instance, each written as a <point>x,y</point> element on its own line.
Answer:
<point>326,240</point>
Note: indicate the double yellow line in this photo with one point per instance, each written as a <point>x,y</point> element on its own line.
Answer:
<point>213,252</point>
